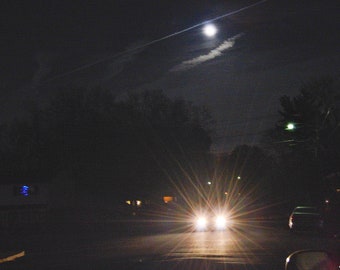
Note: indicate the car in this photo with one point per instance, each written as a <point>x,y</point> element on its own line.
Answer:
<point>305,218</point>
<point>312,259</point>
<point>211,221</point>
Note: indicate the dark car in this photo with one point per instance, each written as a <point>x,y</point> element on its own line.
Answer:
<point>306,218</point>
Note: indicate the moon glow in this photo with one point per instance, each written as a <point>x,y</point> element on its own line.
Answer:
<point>209,30</point>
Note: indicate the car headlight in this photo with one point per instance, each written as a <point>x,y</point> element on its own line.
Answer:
<point>201,223</point>
<point>220,222</point>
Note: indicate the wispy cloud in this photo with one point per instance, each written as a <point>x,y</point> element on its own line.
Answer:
<point>188,64</point>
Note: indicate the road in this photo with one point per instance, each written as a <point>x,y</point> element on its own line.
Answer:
<point>162,245</point>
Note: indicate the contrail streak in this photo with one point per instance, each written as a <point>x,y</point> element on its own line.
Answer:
<point>153,42</point>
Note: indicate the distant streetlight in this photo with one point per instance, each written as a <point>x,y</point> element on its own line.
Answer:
<point>290,126</point>
<point>209,183</point>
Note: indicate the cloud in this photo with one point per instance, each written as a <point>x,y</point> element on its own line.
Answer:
<point>188,64</point>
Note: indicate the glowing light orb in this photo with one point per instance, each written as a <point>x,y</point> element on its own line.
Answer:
<point>290,126</point>
<point>201,223</point>
<point>220,222</point>
<point>24,190</point>
<point>209,30</point>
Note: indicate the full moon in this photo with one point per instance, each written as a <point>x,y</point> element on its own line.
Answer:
<point>209,30</point>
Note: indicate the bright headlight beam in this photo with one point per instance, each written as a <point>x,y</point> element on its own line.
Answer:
<point>220,222</point>
<point>201,223</point>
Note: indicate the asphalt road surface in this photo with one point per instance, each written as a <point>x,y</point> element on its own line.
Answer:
<point>150,245</point>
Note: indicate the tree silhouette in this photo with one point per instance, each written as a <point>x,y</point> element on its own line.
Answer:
<point>311,150</point>
<point>134,146</point>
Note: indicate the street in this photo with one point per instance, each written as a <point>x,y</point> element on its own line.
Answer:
<point>163,245</point>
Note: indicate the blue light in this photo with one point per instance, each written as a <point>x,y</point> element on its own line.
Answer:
<point>24,190</point>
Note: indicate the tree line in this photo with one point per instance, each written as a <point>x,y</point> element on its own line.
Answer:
<point>147,143</point>
<point>132,146</point>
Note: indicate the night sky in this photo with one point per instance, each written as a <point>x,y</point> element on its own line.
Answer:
<point>264,50</point>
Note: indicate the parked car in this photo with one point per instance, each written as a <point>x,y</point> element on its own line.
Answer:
<point>312,259</point>
<point>306,218</point>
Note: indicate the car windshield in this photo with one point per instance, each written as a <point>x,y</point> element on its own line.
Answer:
<point>169,134</point>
